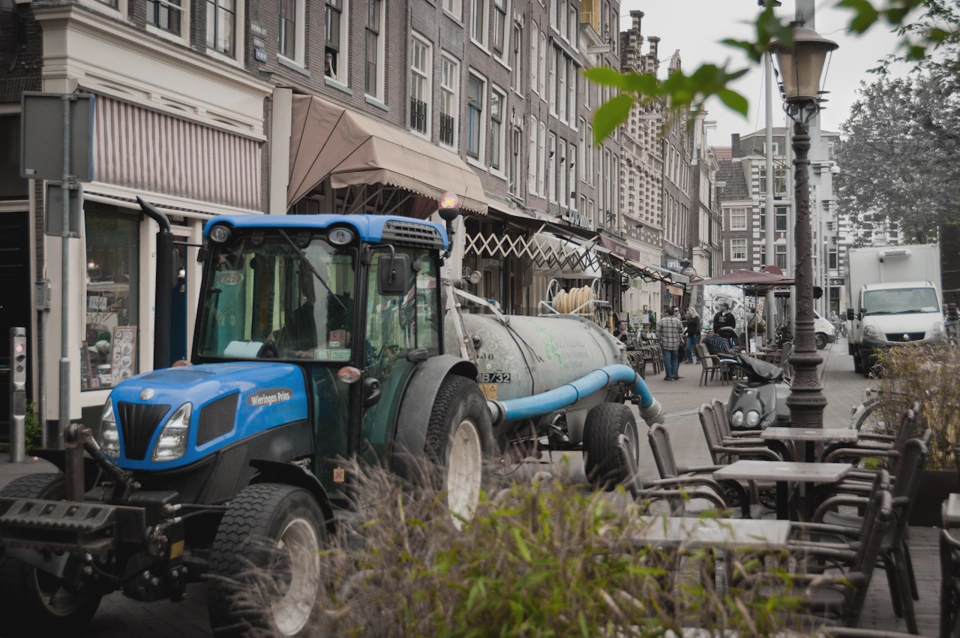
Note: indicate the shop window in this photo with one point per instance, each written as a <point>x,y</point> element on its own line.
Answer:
<point>12,186</point>
<point>109,349</point>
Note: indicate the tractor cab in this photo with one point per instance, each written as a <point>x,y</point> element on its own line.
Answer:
<point>353,301</point>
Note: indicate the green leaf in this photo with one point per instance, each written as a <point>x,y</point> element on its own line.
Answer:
<point>521,545</point>
<point>582,620</point>
<point>735,101</point>
<point>864,14</point>
<point>609,116</point>
<point>604,76</point>
<point>641,84</point>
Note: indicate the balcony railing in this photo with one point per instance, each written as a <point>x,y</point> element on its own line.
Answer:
<point>447,124</point>
<point>418,115</point>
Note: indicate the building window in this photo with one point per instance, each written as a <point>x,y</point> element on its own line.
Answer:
<point>165,15</point>
<point>12,186</point>
<point>499,27</point>
<point>534,59</point>
<point>543,65</point>
<point>554,9</point>
<point>453,7</point>
<point>541,157</point>
<point>562,175</point>
<point>478,21</point>
<point>552,168</point>
<point>337,40</point>
<point>288,29</point>
<point>583,149</point>
<point>221,26</point>
<point>449,101</point>
<point>781,218</point>
<point>109,352</point>
<point>738,250</point>
<point>573,25</point>
<point>782,258</point>
<point>738,219</point>
<point>513,166</point>
<point>373,75</point>
<point>532,162</point>
<point>420,91</point>
<point>572,175</point>
<point>496,130</point>
<point>475,93</point>
<point>516,76</point>
<point>552,80</point>
<point>590,154</point>
<point>562,85</point>
<point>573,78</point>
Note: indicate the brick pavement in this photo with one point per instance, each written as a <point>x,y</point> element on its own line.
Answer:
<point>120,617</point>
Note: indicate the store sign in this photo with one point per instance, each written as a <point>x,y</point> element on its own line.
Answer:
<point>674,265</point>
<point>619,249</point>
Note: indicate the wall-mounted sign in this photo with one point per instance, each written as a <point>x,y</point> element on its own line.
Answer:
<point>260,55</point>
<point>258,29</point>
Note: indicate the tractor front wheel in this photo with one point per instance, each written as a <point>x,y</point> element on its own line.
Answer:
<point>460,444</point>
<point>33,602</point>
<point>265,565</point>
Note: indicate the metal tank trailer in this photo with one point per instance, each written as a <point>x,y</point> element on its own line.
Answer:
<point>557,382</point>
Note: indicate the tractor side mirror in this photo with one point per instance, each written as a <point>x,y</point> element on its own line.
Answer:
<point>851,315</point>
<point>371,392</point>
<point>393,274</point>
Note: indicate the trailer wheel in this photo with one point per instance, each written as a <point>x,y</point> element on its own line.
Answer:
<point>265,564</point>
<point>460,443</point>
<point>604,425</point>
<point>32,602</point>
<point>821,340</point>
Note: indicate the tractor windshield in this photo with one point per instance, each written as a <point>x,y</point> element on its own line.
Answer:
<point>263,300</point>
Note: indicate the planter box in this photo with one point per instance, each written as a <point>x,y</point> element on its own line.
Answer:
<point>936,486</point>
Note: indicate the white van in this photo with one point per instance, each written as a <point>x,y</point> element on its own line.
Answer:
<point>825,332</point>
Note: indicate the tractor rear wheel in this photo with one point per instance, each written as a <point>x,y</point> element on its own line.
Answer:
<point>460,443</point>
<point>601,458</point>
<point>265,570</point>
<point>33,602</point>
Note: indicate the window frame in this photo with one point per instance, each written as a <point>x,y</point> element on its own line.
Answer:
<point>738,227</point>
<point>239,41</point>
<point>516,58</point>
<point>183,35</point>
<point>551,167</point>
<point>535,59</point>
<point>454,93</point>
<point>733,254</point>
<point>342,76</point>
<point>299,34</point>
<point>532,163</point>
<point>425,75</point>
<point>499,14</point>
<point>454,8</point>
<point>481,9</point>
<point>480,108</point>
<point>497,139</point>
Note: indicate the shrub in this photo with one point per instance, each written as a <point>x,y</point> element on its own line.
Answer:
<point>929,374</point>
<point>545,559</point>
<point>33,435</point>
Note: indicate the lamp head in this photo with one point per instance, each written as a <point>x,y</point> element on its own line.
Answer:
<point>801,65</point>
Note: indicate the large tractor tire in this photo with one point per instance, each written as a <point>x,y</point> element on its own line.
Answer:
<point>601,432</point>
<point>265,572</point>
<point>460,444</point>
<point>32,602</point>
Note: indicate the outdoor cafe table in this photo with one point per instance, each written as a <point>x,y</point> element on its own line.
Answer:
<point>714,533</point>
<point>783,472</point>
<point>811,436</point>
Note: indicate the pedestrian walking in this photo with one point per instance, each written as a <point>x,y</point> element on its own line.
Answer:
<point>694,327</point>
<point>670,331</point>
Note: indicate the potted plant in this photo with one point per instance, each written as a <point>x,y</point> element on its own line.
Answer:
<point>930,375</point>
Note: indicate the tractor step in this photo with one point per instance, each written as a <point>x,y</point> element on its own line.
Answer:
<point>60,526</point>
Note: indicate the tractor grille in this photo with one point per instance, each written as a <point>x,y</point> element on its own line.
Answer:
<point>408,233</point>
<point>138,422</point>
<point>899,336</point>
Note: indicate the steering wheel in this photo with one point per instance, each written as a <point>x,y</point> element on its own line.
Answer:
<point>268,351</point>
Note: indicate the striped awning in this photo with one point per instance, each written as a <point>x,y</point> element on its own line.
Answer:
<point>154,152</point>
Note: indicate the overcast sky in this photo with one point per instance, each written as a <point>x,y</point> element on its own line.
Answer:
<point>696,27</point>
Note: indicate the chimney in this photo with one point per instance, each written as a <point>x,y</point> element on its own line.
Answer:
<point>654,59</point>
<point>637,17</point>
<point>735,146</point>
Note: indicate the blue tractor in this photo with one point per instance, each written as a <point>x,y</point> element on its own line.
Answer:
<point>318,338</point>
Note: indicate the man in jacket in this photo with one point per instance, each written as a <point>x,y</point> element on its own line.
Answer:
<point>724,318</point>
<point>670,332</point>
<point>693,334</point>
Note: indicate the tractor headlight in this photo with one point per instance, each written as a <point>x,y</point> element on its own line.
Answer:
<point>109,437</point>
<point>737,418</point>
<point>753,418</point>
<point>172,443</point>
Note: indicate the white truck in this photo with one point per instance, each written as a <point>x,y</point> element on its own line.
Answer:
<point>894,293</point>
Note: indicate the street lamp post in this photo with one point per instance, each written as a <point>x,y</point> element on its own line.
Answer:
<point>801,66</point>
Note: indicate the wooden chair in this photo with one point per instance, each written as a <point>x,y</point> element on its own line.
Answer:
<point>711,365</point>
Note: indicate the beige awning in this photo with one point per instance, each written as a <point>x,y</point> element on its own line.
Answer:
<point>353,149</point>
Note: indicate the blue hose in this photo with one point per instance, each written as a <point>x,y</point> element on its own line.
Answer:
<point>569,394</point>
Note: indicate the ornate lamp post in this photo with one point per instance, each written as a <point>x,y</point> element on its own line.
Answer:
<point>801,66</point>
